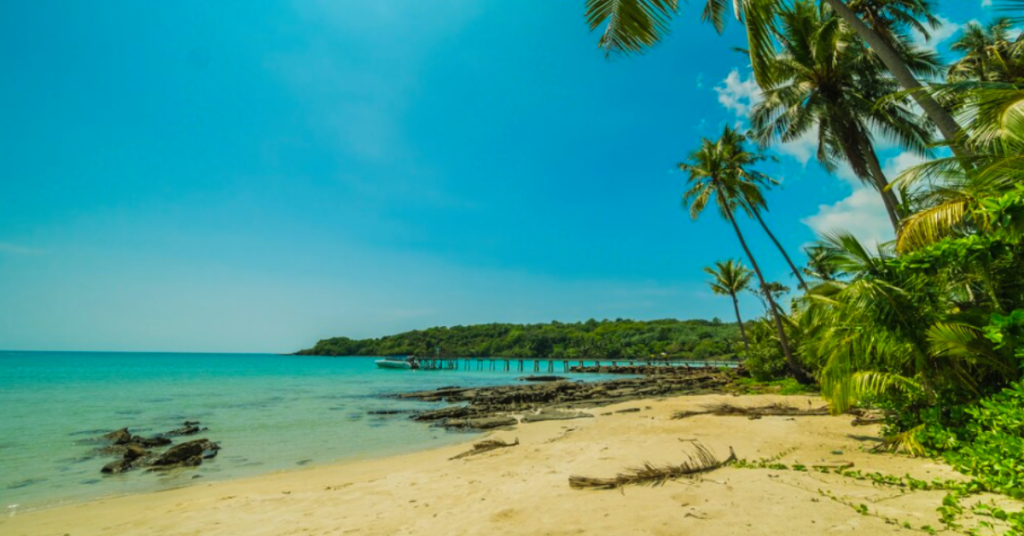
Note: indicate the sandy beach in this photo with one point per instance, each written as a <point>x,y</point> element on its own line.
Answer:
<point>524,489</point>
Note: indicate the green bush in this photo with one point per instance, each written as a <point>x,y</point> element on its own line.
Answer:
<point>766,361</point>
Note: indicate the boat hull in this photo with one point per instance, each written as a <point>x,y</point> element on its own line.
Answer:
<point>388,364</point>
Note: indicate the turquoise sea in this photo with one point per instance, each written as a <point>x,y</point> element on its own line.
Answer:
<point>268,412</point>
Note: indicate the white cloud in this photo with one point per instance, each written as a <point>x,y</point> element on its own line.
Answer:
<point>895,166</point>
<point>937,36</point>
<point>862,214</point>
<point>738,95</point>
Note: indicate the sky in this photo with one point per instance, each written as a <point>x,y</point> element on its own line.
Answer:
<point>252,177</point>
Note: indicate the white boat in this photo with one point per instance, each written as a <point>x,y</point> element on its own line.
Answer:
<point>402,363</point>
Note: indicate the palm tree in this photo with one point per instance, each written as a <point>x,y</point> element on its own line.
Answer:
<point>715,176</point>
<point>824,79</point>
<point>632,26</point>
<point>989,54</point>
<point>730,278</point>
<point>750,199</point>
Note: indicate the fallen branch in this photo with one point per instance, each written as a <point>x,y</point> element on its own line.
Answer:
<point>777,409</point>
<point>485,446</point>
<point>702,462</point>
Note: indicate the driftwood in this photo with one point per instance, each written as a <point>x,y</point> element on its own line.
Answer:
<point>485,446</point>
<point>777,409</point>
<point>702,462</point>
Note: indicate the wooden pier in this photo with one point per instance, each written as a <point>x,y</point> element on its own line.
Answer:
<point>550,366</point>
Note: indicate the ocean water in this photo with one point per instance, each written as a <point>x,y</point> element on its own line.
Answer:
<point>268,413</point>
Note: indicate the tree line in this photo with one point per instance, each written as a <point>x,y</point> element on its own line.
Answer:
<point>604,340</point>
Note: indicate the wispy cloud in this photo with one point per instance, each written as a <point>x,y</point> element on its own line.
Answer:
<point>938,35</point>
<point>15,249</point>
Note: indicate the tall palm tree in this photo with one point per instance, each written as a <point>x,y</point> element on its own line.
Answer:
<point>632,26</point>
<point>714,176</point>
<point>730,278</point>
<point>749,198</point>
<point>824,79</point>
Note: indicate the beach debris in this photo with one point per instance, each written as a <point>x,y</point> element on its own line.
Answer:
<point>555,414</point>
<point>702,461</point>
<point>485,446</point>
<point>481,423</point>
<point>755,412</point>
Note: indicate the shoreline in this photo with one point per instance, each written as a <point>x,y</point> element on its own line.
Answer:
<point>524,489</point>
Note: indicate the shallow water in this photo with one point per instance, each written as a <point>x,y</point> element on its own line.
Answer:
<point>268,413</point>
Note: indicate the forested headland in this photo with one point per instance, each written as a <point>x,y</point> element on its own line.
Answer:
<point>593,339</point>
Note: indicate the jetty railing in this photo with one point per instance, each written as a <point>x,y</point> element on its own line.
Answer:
<point>548,365</point>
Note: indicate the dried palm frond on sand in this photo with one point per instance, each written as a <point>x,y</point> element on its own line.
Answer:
<point>485,446</point>
<point>777,408</point>
<point>700,462</point>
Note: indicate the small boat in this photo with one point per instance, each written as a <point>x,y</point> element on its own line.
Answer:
<point>402,363</point>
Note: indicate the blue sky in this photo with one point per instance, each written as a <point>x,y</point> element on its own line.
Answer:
<point>231,176</point>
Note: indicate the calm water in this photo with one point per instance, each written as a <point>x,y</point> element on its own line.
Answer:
<point>268,412</point>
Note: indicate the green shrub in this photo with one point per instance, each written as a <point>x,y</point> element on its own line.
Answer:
<point>766,362</point>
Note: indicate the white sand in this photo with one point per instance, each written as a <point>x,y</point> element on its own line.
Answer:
<point>524,489</point>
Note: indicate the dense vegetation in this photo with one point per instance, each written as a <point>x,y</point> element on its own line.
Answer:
<point>929,327</point>
<point>606,339</point>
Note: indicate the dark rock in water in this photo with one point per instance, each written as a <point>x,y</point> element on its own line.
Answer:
<point>390,411</point>
<point>187,454</point>
<point>151,441</point>
<point>118,466</point>
<point>111,450</point>
<point>482,423</point>
<point>454,412</point>
<point>187,430</point>
<point>541,378</point>
<point>119,437</point>
<point>303,462</point>
<point>133,451</point>
<point>191,423</point>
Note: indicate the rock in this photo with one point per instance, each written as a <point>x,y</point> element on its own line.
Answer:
<point>119,437</point>
<point>191,423</point>
<point>187,430</point>
<point>541,378</point>
<point>151,442</point>
<point>118,466</point>
<point>454,412</point>
<point>183,453</point>
<point>134,451</point>
<point>481,423</point>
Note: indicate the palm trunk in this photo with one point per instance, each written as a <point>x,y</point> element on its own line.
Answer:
<point>898,67</point>
<point>794,367</point>
<point>892,205</point>
<point>743,332</point>
<point>803,284</point>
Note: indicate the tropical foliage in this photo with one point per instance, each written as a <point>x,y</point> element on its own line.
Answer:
<point>930,327</point>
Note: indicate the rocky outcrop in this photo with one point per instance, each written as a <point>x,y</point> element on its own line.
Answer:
<point>478,405</point>
<point>188,454</point>
<point>134,451</point>
<point>481,423</point>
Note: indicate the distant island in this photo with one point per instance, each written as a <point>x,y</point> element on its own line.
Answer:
<point>593,339</point>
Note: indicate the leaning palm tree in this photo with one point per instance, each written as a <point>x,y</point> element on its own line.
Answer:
<point>823,79</point>
<point>632,26</point>
<point>749,198</point>
<point>730,278</point>
<point>715,171</point>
